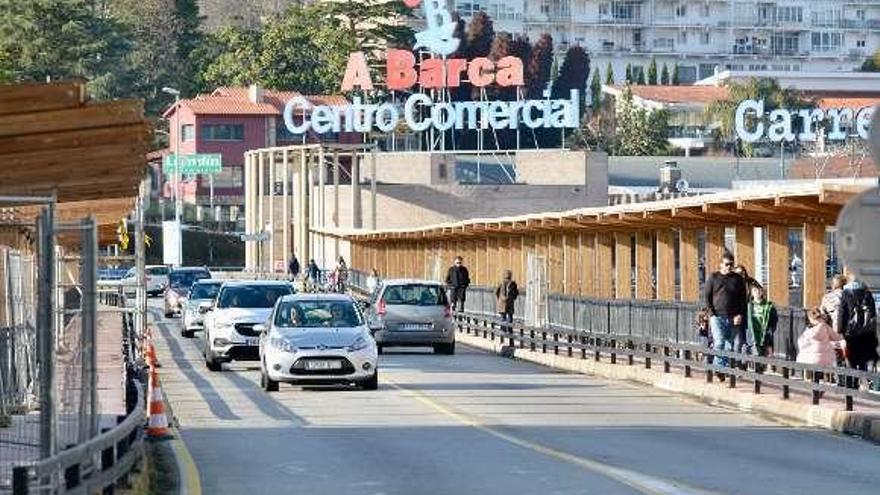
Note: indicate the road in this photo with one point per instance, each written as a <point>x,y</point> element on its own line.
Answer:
<point>475,423</point>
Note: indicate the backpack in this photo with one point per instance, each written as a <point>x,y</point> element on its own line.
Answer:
<point>863,317</point>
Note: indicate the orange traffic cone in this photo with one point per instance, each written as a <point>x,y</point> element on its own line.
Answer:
<point>152,360</point>
<point>157,421</point>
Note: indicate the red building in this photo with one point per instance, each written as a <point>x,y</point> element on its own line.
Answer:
<point>229,122</point>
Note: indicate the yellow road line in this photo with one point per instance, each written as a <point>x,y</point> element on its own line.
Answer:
<point>642,483</point>
<point>190,482</point>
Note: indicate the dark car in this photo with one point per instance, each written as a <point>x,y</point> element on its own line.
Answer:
<point>180,281</point>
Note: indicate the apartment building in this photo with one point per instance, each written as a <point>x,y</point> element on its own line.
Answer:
<point>700,36</point>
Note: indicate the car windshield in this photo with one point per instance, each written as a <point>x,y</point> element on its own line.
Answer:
<point>251,296</point>
<point>313,314</point>
<point>157,270</point>
<point>186,278</point>
<point>205,291</point>
<point>415,295</point>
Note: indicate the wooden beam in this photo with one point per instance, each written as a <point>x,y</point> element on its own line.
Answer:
<point>644,264</point>
<point>688,265</point>
<point>587,272</point>
<point>778,263</point>
<point>556,263</point>
<point>666,264</point>
<point>605,245</point>
<point>623,254</point>
<point>571,254</point>
<point>714,248</point>
<point>745,247</point>
<point>815,256</point>
<point>107,114</point>
<point>85,138</point>
<point>40,97</point>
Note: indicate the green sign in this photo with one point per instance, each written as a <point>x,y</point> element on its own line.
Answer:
<point>193,164</point>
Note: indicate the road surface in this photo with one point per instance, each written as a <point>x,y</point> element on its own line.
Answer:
<point>475,423</point>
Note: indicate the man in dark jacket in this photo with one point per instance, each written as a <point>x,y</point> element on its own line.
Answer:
<point>726,299</point>
<point>293,267</point>
<point>457,281</point>
<point>505,297</point>
<point>857,321</point>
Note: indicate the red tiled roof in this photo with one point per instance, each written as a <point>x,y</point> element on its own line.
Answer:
<point>679,94</point>
<point>834,167</point>
<point>331,100</point>
<point>235,100</point>
<point>228,106</point>
<point>855,103</point>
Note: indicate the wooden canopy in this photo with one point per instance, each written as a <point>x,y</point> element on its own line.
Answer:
<point>90,155</point>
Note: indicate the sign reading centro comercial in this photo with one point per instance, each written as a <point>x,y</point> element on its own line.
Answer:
<point>420,111</point>
<point>754,124</point>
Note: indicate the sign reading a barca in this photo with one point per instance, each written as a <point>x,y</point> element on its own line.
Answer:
<point>420,112</point>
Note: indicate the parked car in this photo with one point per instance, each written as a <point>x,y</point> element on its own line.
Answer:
<point>317,339</point>
<point>412,313</point>
<point>203,291</point>
<point>230,319</point>
<point>180,280</point>
<point>156,280</point>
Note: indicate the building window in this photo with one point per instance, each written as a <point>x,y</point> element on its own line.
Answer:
<point>687,74</point>
<point>704,10</point>
<point>860,43</point>
<point>681,10</point>
<point>223,132</point>
<point>707,70</point>
<point>860,15</point>
<point>682,37</point>
<point>229,177</point>
<point>705,38</point>
<point>188,132</point>
<point>826,41</point>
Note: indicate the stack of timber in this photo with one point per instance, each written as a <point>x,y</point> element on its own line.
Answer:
<point>90,155</point>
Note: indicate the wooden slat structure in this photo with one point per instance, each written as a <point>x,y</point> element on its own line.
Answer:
<point>661,248</point>
<point>90,156</point>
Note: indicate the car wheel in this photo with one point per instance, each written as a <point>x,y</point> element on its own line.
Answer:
<point>187,333</point>
<point>168,315</point>
<point>371,383</point>
<point>268,384</point>
<point>210,361</point>
<point>447,349</point>
<point>380,349</point>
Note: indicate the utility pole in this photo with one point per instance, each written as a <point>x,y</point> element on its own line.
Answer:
<point>177,164</point>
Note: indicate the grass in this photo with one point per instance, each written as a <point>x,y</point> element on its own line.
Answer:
<point>158,474</point>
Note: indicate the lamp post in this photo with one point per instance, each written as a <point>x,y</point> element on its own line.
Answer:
<point>176,176</point>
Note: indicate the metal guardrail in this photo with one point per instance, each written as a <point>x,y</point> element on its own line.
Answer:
<point>91,466</point>
<point>687,357</point>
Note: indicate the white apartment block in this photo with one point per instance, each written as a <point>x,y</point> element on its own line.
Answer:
<point>700,36</point>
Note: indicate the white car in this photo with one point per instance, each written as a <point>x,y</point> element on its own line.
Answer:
<point>317,339</point>
<point>156,280</point>
<point>230,319</point>
<point>193,320</point>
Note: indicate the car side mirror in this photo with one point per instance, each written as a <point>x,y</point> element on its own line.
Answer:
<point>206,306</point>
<point>260,328</point>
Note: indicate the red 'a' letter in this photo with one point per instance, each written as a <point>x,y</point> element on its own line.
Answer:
<point>510,72</point>
<point>431,76</point>
<point>357,74</point>
<point>401,69</point>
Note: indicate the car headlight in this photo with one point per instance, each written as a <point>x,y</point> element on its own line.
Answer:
<point>359,344</point>
<point>282,345</point>
<point>224,325</point>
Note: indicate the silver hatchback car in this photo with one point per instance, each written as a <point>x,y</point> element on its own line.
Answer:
<point>412,313</point>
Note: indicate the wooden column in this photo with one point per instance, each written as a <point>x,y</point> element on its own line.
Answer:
<point>688,263</point>
<point>815,256</point>
<point>745,247</point>
<point>714,248</point>
<point>666,264</point>
<point>586,267</point>
<point>571,254</point>
<point>556,263</point>
<point>516,259</point>
<point>492,260</point>
<point>528,247</point>
<point>605,245</point>
<point>777,264</point>
<point>623,266</point>
<point>644,265</point>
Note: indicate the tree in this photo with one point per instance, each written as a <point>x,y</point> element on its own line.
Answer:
<point>609,74</point>
<point>664,75</point>
<point>538,67</point>
<point>480,34</point>
<point>573,74</point>
<point>628,74</point>
<point>675,79</point>
<point>502,46</point>
<point>372,23</point>
<point>652,72</point>
<point>872,64</point>
<point>640,75</point>
<point>639,132</point>
<point>595,90</point>
<point>63,39</point>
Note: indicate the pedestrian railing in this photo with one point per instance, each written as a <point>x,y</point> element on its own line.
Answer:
<point>89,467</point>
<point>688,358</point>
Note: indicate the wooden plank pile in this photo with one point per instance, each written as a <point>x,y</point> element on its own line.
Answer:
<point>91,155</point>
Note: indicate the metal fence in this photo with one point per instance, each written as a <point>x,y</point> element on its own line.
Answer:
<point>18,337</point>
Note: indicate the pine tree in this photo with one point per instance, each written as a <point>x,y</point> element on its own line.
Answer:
<point>538,67</point>
<point>675,79</point>
<point>573,74</point>
<point>628,75</point>
<point>664,75</point>
<point>652,72</point>
<point>595,90</point>
<point>640,75</point>
<point>609,74</point>
<point>480,34</point>
<point>502,46</point>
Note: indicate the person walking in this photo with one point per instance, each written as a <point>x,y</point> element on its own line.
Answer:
<point>505,298</point>
<point>314,273</point>
<point>701,324</point>
<point>816,345</point>
<point>725,298</point>
<point>857,322</point>
<point>761,322</point>
<point>830,304</point>
<point>797,269</point>
<point>341,275</point>
<point>293,267</point>
<point>373,281</point>
<point>457,281</point>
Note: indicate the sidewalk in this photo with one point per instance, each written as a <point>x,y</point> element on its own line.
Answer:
<point>20,442</point>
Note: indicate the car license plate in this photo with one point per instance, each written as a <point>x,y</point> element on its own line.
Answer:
<point>323,365</point>
<point>415,326</point>
<point>253,341</point>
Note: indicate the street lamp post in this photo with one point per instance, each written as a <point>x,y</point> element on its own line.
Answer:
<point>176,176</point>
